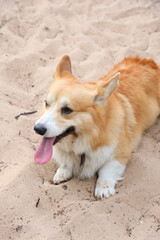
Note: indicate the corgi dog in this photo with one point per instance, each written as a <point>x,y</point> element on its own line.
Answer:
<point>92,128</point>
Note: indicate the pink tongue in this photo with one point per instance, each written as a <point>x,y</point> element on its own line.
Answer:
<point>44,151</point>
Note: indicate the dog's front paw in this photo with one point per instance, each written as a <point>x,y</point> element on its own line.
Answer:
<point>104,189</point>
<point>62,175</point>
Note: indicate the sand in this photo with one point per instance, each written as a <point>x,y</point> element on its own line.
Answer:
<point>96,34</point>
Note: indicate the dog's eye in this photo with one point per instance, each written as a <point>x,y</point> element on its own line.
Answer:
<point>46,103</point>
<point>66,110</point>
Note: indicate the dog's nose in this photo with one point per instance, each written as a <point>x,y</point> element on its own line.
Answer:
<point>40,129</point>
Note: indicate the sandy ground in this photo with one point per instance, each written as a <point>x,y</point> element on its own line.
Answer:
<point>34,34</point>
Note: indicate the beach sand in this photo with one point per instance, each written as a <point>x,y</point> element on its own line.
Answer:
<point>97,34</point>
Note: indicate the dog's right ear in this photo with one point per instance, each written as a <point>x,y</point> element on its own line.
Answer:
<point>106,88</point>
<point>63,66</point>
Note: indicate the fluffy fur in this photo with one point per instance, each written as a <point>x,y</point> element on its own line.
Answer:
<point>109,116</point>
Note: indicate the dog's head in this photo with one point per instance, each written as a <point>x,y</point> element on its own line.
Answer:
<point>70,107</point>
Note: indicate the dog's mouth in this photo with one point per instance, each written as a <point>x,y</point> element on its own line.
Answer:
<point>44,152</point>
<point>64,134</point>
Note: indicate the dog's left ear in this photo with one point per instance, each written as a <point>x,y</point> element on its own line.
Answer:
<point>105,89</point>
<point>64,66</point>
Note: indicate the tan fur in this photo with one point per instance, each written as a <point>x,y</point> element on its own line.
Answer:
<point>109,116</point>
<point>132,107</point>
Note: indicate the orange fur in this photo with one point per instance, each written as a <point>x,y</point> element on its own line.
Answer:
<point>140,85</point>
<point>108,117</point>
<point>132,107</point>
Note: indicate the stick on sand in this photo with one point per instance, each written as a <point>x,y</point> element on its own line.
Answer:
<point>24,113</point>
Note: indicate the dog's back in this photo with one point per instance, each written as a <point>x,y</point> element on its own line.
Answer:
<point>140,84</point>
<point>139,92</point>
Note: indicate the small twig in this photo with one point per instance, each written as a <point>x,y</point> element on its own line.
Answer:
<point>158,228</point>
<point>142,216</point>
<point>42,180</point>
<point>37,203</point>
<point>24,113</point>
<point>18,228</point>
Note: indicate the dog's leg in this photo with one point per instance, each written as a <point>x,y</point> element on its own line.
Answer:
<point>65,161</point>
<point>108,176</point>
<point>63,174</point>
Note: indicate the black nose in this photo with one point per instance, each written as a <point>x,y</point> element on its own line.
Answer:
<point>40,129</point>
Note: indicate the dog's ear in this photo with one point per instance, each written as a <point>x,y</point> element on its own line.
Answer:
<point>64,66</point>
<point>105,89</point>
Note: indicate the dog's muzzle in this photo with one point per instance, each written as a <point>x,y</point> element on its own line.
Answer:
<point>40,129</point>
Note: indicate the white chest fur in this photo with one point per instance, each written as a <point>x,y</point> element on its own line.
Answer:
<point>68,154</point>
